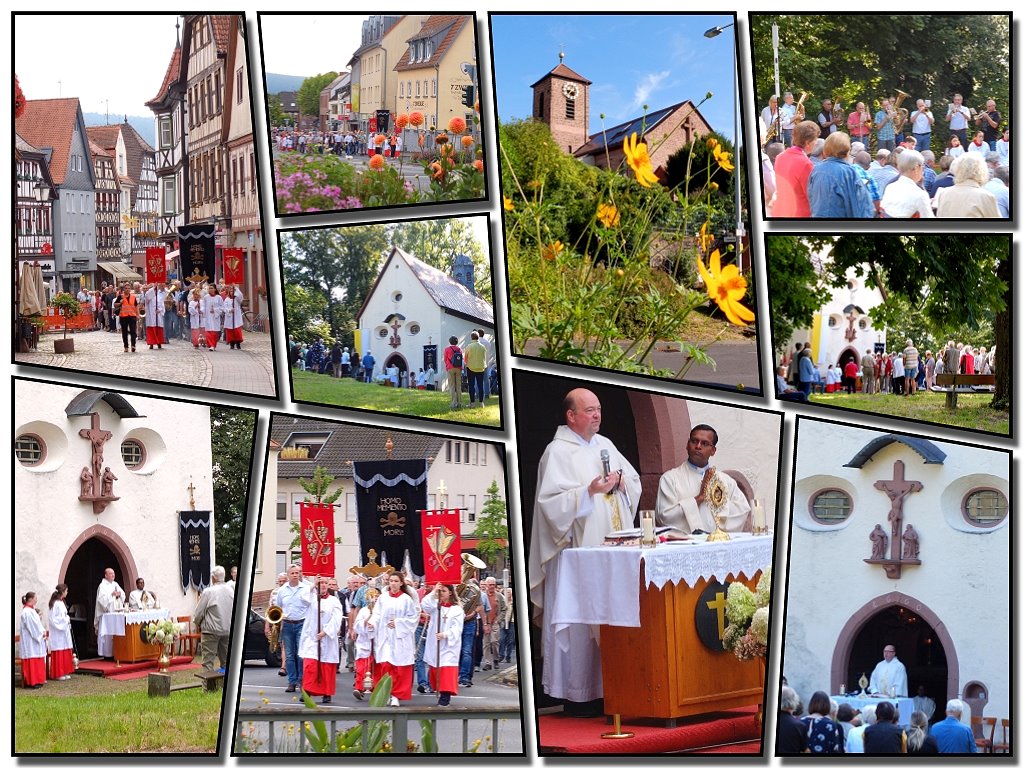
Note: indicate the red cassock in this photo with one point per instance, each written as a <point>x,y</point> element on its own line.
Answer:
<point>318,677</point>
<point>154,334</point>
<point>61,663</point>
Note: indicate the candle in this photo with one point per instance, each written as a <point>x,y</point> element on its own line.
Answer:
<point>759,522</point>
<point>647,528</point>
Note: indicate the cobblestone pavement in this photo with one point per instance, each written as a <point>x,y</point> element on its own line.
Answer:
<point>249,371</point>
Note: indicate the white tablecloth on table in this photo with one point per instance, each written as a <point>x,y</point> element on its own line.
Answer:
<point>601,585</point>
<point>114,624</point>
<point>904,705</point>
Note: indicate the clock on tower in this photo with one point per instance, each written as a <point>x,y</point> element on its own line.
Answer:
<point>561,100</point>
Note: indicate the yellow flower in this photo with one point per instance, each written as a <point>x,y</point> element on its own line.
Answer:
<point>726,287</point>
<point>608,215</point>
<point>509,205</point>
<point>639,160</point>
<point>712,143</point>
<point>724,159</point>
<point>713,186</point>
<point>704,238</point>
<point>551,251</point>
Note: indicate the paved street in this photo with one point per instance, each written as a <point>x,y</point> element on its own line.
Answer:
<point>246,371</point>
<point>261,683</point>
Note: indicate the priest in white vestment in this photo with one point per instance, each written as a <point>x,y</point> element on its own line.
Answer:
<point>890,676</point>
<point>109,597</point>
<point>681,491</point>
<point>581,497</point>
<point>140,598</point>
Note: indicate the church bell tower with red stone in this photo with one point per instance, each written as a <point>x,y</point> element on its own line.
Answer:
<point>561,100</point>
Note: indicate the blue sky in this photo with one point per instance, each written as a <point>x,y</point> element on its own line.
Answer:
<point>631,60</point>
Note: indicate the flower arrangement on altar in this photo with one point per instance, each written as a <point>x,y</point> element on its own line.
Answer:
<point>162,632</point>
<point>746,615</point>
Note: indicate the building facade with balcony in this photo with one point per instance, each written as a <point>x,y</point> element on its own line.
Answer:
<point>35,197</point>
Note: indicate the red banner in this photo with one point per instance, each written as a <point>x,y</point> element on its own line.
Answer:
<point>316,522</point>
<point>442,546</point>
<point>156,265</point>
<point>234,266</point>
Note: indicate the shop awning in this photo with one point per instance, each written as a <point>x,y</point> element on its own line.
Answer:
<point>119,271</point>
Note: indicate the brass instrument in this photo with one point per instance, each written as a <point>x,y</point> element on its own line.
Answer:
<point>141,307</point>
<point>902,113</point>
<point>771,133</point>
<point>837,113</point>
<point>468,592</point>
<point>801,112</point>
<point>274,616</point>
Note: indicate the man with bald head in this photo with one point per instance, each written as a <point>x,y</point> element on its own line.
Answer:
<point>109,597</point>
<point>585,490</point>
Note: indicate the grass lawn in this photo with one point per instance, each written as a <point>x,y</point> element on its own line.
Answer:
<point>319,388</point>
<point>92,714</point>
<point>972,411</point>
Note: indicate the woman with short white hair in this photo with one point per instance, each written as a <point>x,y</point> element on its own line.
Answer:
<point>904,198</point>
<point>967,199</point>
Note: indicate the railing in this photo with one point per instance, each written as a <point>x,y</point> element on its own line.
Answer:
<point>292,721</point>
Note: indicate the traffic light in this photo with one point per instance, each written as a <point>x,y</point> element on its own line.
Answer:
<point>468,96</point>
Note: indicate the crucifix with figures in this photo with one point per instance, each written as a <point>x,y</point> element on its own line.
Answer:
<point>903,543</point>
<point>395,340</point>
<point>96,481</point>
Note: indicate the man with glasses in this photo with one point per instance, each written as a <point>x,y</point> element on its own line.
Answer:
<point>683,491</point>
<point>889,677</point>
<point>585,490</point>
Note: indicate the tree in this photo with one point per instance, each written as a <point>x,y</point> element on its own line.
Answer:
<point>338,264</point>
<point>308,97</point>
<point>305,310</point>
<point>275,110</point>
<point>492,527</point>
<point>318,487</point>
<point>439,241</point>
<point>231,434</point>
<point>796,289</point>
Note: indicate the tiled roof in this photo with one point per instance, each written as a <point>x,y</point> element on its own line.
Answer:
<point>642,125</point>
<point>22,145</point>
<point>97,150</point>
<point>135,147</point>
<point>170,77</point>
<point>221,30</point>
<point>450,24</point>
<point>50,123</point>
<point>448,292</point>
<point>565,73</point>
<point>347,443</point>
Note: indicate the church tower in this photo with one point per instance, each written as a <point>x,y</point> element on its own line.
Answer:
<point>561,99</point>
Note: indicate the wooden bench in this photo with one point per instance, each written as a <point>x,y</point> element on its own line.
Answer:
<point>160,683</point>
<point>975,382</point>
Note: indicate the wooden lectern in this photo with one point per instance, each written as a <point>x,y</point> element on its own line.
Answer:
<point>662,670</point>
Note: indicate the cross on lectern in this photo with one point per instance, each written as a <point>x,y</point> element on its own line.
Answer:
<point>718,606</point>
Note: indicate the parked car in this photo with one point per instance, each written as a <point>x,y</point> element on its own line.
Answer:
<point>256,646</point>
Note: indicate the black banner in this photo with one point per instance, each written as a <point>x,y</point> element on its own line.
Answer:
<point>430,357</point>
<point>383,122</point>
<point>195,549</point>
<point>388,495</point>
<point>197,253</point>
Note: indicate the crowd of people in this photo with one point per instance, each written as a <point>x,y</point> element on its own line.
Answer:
<point>203,313</point>
<point>350,143</point>
<point>815,169</point>
<point>468,368</point>
<point>901,372</point>
<point>433,638</point>
<point>831,728</point>
<point>49,651</point>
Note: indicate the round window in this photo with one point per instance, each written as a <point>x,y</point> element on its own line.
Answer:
<point>382,332</point>
<point>133,453</point>
<point>833,321</point>
<point>412,329</point>
<point>985,507</point>
<point>29,449</point>
<point>831,506</point>
<point>396,296</point>
<point>863,324</point>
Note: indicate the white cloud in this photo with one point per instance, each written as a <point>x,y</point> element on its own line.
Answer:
<point>647,85</point>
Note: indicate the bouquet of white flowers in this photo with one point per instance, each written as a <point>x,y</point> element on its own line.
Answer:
<point>162,632</point>
<point>746,614</point>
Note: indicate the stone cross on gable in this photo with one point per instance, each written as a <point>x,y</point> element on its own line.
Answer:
<point>897,490</point>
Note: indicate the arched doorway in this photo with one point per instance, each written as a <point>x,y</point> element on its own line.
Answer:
<point>846,356</point>
<point>399,362</point>
<point>922,643</point>
<point>83,574</point>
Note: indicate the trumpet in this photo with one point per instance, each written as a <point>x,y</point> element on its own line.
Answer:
<point>274,616</point>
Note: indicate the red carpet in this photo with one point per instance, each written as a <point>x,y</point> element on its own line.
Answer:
<point>718,732</point>
<point>126,671</point>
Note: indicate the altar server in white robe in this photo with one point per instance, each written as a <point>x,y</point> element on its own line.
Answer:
<point>233,318</point>
<point>363,652</point>
<point>195,316</point>
<point>443,643</point>
<point>62,654</point>
<point>154,299</point>
<point>682,501</point>
<point>585,490</point>
<point>213,313</point>
<point>318,645</point>
<point>393,621</point>
<point>33,643</point>
<point>109,597</point>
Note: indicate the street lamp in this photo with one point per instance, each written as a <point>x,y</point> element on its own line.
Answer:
<point>712,33</point>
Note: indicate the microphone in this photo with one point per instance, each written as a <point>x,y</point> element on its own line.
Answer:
<point>605,464</point>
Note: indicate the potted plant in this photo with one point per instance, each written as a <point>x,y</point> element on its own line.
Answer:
<point>69,307</point>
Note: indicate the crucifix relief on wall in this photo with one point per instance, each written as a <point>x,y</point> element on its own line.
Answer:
<point>97,482</point>
<point>851,332</point>
<point>395,340</point>
<point>903,543</point>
